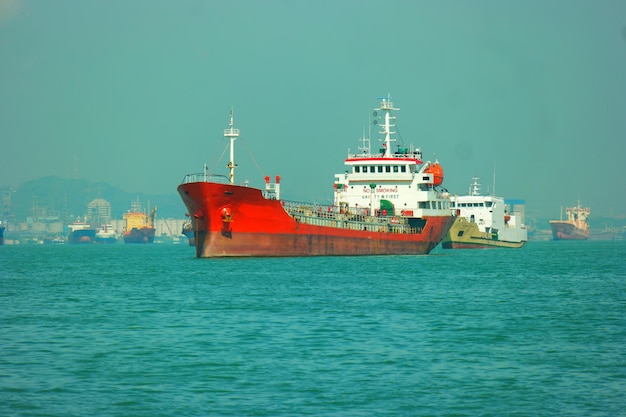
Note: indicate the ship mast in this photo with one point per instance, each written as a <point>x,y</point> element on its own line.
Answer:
<point>475,187</point>
<point>386,106</point>
<point>232,134</point>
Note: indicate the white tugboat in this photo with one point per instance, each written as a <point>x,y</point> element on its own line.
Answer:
<point>485,222</point>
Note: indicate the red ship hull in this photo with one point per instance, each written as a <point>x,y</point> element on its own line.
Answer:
<point>562,230</point>
<point>231,220</point>
<point>143,235</point>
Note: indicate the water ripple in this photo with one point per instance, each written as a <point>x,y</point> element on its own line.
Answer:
<point>152,331</point>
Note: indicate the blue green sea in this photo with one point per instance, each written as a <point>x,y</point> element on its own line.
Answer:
<point>149,330</point>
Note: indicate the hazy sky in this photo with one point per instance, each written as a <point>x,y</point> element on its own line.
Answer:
<point>137,93</point>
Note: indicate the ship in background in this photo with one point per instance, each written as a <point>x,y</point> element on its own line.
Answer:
<point>81,231</point>
<point>139,225</point>
<point>2,229</point>
<point>385,203</point>
<point>576,227</point>
<point>485,221</point>
<point>608,233</point>
<point>189,232</point>
<point>99,214</point>
<point>106,234</point>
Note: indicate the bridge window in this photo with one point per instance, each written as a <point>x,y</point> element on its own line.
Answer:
<point>395,168</point>
<point>357,169</point>
<point>380,168</point>
<point>403,168</point>
<point>387,168</point>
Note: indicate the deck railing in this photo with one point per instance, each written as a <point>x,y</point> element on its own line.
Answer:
<point>205,177</point>
<point>352,218</point>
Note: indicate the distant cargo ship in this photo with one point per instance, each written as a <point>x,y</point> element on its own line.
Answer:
<point>386,202</point>
<point>106,234</point>
<point>81,232</point>
<point>139,225</point>
<point>484,222</point>
<point>576,227</point>
<point>608,233</point>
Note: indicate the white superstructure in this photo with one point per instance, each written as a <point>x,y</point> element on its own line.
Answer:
<point>387,182</point>
<point>491,214</point>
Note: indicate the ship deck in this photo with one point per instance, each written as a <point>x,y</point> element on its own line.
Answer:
<point>331,216</point>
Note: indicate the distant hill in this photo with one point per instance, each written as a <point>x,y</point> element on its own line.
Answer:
<point>68,198</point>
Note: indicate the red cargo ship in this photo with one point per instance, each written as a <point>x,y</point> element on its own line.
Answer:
<point>576,227</point>
<point>386,203</point>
